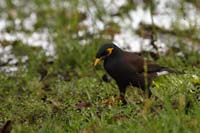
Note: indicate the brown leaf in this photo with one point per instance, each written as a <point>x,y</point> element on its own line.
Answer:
<point>120,117</point>
<point>80,105</point>
<point>112,101</point>
<point>147,105</point>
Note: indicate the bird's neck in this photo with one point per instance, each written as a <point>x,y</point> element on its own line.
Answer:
<point>115,55</point>
<point>112,57</point>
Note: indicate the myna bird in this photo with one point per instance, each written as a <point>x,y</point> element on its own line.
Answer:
<point>128,68</point>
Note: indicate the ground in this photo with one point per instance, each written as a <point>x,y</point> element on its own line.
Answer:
<point>63,92</point>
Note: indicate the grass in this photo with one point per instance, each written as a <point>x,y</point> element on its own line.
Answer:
<point>65,93</point>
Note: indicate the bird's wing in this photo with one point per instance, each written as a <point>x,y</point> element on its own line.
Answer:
<point>140,65</point>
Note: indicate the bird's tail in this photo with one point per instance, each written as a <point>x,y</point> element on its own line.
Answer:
<point>172,70</point>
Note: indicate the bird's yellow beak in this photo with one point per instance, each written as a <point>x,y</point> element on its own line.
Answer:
<point>97,61</point>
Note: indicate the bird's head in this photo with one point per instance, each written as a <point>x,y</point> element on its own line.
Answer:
<point>105,51</point>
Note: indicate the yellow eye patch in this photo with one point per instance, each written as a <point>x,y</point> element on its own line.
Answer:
<point>109,51</point>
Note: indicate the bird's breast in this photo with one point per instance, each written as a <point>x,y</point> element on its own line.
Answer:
<point>115,68</point>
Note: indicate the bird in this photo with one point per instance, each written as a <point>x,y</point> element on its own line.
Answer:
<point>128,68</point>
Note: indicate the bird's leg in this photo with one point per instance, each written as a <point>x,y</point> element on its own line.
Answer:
<point>122,97</point>
<point>122,88</point>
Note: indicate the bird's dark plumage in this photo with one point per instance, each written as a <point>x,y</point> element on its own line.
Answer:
<point>128,68</point>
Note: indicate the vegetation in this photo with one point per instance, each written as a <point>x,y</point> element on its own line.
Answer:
<point>65,93</point>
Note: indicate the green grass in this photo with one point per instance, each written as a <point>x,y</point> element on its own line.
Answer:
<point>71,95</point>
<point>36,107</point>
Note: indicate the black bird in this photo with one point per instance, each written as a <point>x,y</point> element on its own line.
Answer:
<point>128,68</point>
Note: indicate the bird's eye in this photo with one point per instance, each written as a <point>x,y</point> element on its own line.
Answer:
<point>104,53</point>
